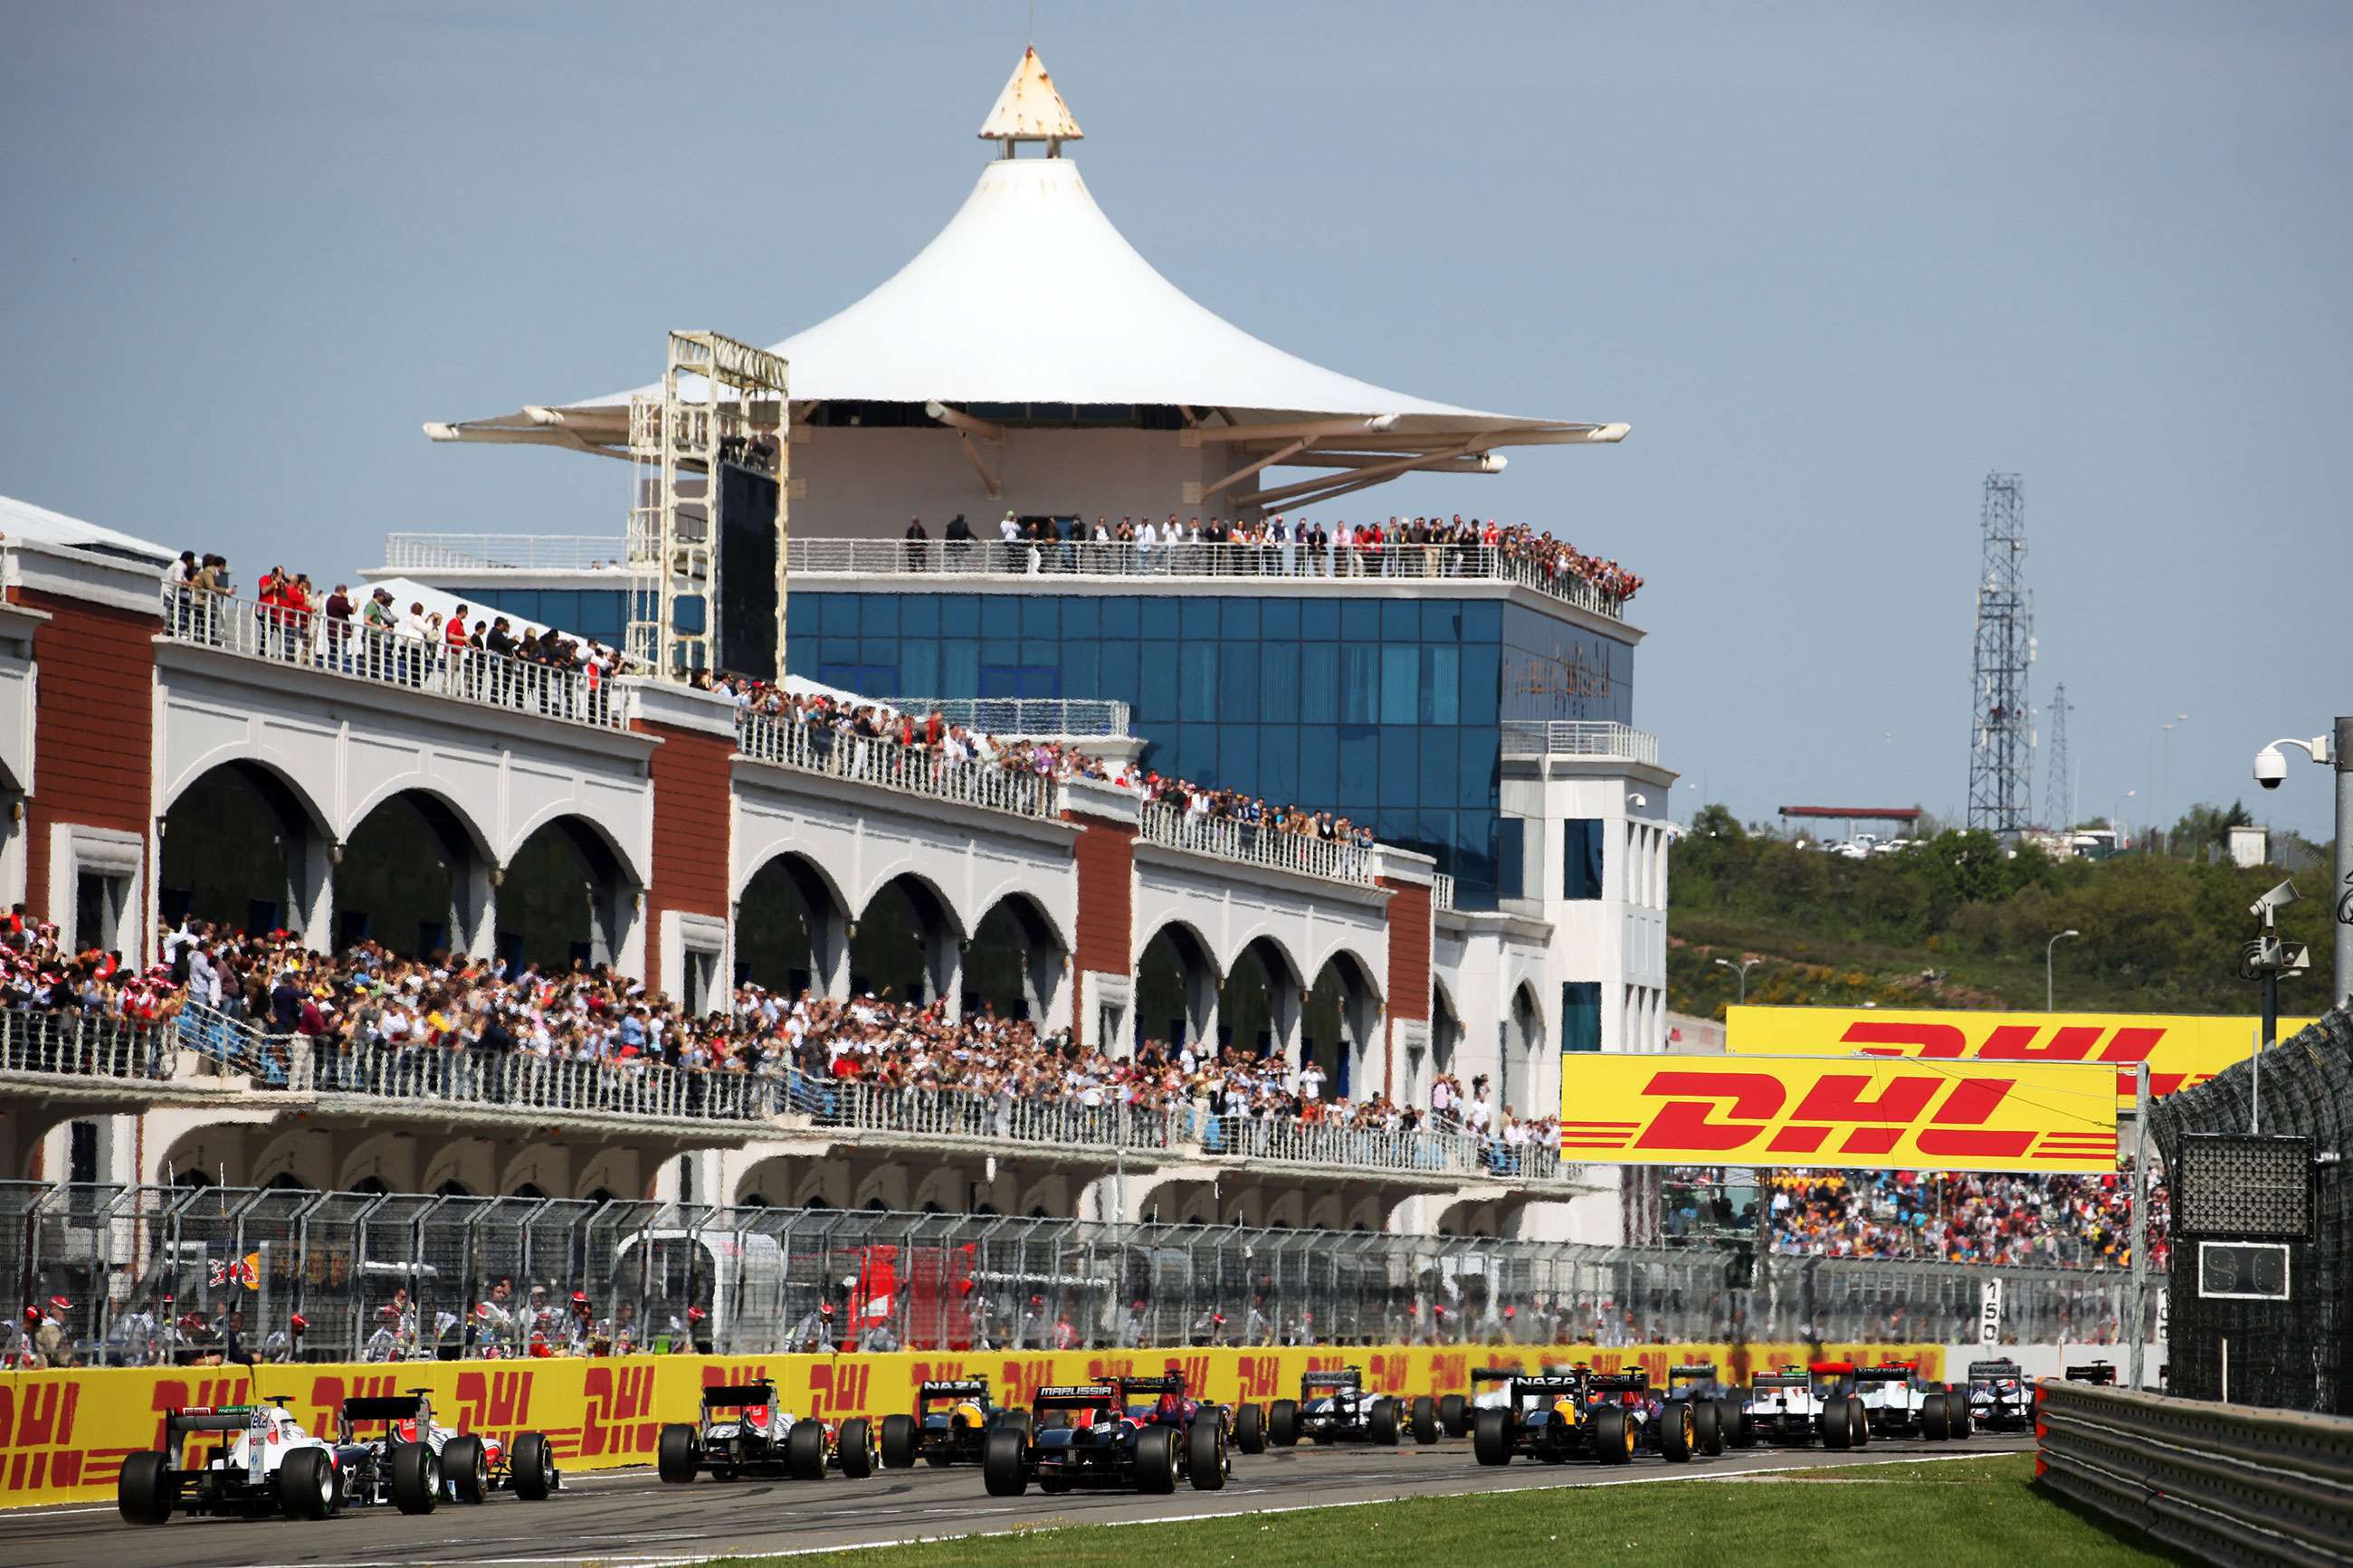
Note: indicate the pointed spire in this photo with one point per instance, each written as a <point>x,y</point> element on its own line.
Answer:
<point>1030,110</point>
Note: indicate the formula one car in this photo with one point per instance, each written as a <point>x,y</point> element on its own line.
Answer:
<point>951,1418</point>
<point>414,1463</point>
<point>1082,1435</point>
<point>1163,1401</point>
<point>2099,1372</point>
<point>265,1464</point>
<point>1581,1415</point>
<point>1798,1403</point>
<point>1337,1407</point>
<point>743,1431</point>
<point>2000,1397</point>
<point>1716,1413</point>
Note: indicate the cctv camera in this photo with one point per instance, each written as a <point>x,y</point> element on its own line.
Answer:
<point>2271,767</point>
<point>2279,898</point>
<point>1637,802</point>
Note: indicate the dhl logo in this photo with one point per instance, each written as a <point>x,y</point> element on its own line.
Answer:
<point>494,1401</point>
<point>838,1391</point>
<point>1697,1109</point>
<point>1450,1371</point>
<point>1389,1370</point>
<point>327,1392</point>
<point>1023,1377</point>
<point>620,1416</point>
<point>37,1428</point>
<point>1103,1368</point>
<point>2179,1051</point>
<point>723,1374</point>
<point>1261,1377</point>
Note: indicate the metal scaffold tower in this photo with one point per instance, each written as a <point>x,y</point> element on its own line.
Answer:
<point>720,402</point>
<point>2002,749</point>
<point>2058,782</point>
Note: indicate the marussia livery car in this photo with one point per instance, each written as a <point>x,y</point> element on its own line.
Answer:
<point>1798,1403</point>
<point>743,1431</point>
<point>2000,1397</point>
<point>1337,1407</point>
<point>265,1463</point>
<point>951,1420</point>
<point>1087,1435</point>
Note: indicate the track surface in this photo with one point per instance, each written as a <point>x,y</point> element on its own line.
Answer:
<point>627,1516</point>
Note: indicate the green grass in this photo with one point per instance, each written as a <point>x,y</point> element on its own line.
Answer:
<point>1962,1511</point>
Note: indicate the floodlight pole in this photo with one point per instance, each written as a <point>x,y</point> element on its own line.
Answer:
<point>2139,1293</point>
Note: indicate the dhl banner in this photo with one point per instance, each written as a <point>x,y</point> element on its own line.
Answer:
<point>1808,1111</point>
<point>64,1434</point>
<point>2180,1050</point>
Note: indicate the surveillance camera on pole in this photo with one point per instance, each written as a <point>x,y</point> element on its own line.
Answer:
<point>2336,751</point>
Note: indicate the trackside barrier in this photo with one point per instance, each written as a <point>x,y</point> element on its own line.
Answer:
<point>64,1434</point>
<point>2228,1482</point>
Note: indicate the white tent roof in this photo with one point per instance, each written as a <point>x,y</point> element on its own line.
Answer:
<point>23,519</point>
<point>1031,295</point>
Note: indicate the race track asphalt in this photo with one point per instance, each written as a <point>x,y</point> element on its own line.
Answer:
<point>629,1516</point>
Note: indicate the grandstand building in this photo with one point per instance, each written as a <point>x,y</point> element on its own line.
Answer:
<point>166,753</point>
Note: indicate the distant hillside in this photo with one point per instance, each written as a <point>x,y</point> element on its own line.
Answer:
<point>1960,922</point>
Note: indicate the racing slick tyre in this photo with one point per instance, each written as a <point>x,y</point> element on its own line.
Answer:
<point>1381,1421</point>
<point>1020,1421</point>
<point>1155,1459</point>
<point>854,1447</point>
<point>1454,1415</point>
<point>1959,1419</point>
<point>146,1490</point>
<point>1283,1424</point>
<point>805,1451</point>
<point>1425,1419</point>
<point>306,1485</point>
<point>1205,1454</point>
<point>898,1442</point>
<point>1678,1433</point>
<point>531,1466</point>
<point>466,1464</point>
<point>1613,1435</point>
<point>1738,1429</point>
<point>1858,1422</point>
<point>674,1456</point>
<point>1250,1428</point>
<point>1005,1462</point>
<point>1707,1426</point>
<point>1491,1437</point>
<point>416,1479</point>
<point>1836,1431</point>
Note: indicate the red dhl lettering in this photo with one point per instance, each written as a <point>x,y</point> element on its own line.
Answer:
<point>1023,1377</point>
<point>837,1391</point>
<point>1260,1376</point>
<point>619,1400</point>
<point>716,1375</point>
<point>38,1415</point>
<point>494,1401</point>
<point>1752,1107</point>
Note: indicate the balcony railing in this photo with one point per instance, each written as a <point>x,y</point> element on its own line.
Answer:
<point>1442,891</point>
<point>84,1047</point>
<point>887,765</point>
<point>1224,563</point>
<point>1020,717</point>
<point>1223,838</point>
<point>505,552</point>
<point>354,651</point>
<point>1578,738</point>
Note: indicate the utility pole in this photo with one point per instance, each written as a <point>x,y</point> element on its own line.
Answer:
<point>2001,745</point>
<point>2058,800</point>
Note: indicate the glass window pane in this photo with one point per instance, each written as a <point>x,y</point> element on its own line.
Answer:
<point>1156,695</point>
<point>879,615</point>
<point>1197,685</point>
<point>1319,684</point>
<point>1482,670</point>
<point>879,651</point>
<point>959,670</point>
<point>800,652</point>
<point>919,666</point>
<point>1433,832</point>
<point>837,615</point>
<point>1580,1015</point>
<point>1511,851</point>
<point>1483,620</point>
<point>1400,781</point>
<point>1279,619</point>
<point>1038,651</point>
<point>1000,616</point>
<point>1117,678</point>
<point>1441,684</point>
<point>1319,766</point>
<point>1475,774</point>
<point>1082,618</point>
<point>1237,620</point>
<point>1079,666</point>
<point>919,615</point>
<point>960,615</point>
<point>1393,824</point>
<point>1400,684</point>
<point>1238,757</point>
<point>1238,678</point>
<point>1041,616</point>
<point>1319,620</point>
<point>838,650</point>
<point>1160,617</point>
<point>1441,620</point>
<point>1360,682</point>
<point>1581,858</point>
<point>1196,753</point>
<point>1120,618</point>
<point>1360,620</point>
<point>1278,682</point>
<point>1400,620</point>
<point>1277,764</point>
<point>1198,618</point>
<point>1439,761</point>
<point>1360,765</point>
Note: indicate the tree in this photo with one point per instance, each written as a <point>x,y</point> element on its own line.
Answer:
<point>1716,822</point>
<point>2205,826</point>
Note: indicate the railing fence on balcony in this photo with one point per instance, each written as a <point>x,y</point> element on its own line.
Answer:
<point>1577,738</point>
<point>1022,717</point>
<point>505,552</point>
<point>132,1259</point>
<point>912,770</point>
<point>83,1046</point>
<point>355,651</point>
<point>1249,845</point>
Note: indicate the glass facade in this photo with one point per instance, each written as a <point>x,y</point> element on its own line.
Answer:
<point>1384,709</point>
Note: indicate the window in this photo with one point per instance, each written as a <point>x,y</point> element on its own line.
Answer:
<point>1510,849</point>
<point>1580,1015</point>
<point>1581,858</point>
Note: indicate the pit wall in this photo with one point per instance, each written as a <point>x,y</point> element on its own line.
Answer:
<point>64,1434</point>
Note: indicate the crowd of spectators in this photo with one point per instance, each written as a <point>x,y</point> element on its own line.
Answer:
<point>1428,546</point>
<point>2064,1220</point>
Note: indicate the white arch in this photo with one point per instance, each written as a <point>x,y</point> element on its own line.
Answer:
<point>633,874</point>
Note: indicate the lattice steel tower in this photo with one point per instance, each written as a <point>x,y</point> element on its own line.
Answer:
<point>2058,786</point>
<point>2002,749</point>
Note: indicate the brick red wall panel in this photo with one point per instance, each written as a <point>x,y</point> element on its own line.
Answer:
<point>692,773</point>
<point>1106,871</point>
<point>1409,941</point>
<point>93,726</point>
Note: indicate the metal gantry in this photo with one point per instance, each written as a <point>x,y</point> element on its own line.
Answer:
<point>2001,748</point>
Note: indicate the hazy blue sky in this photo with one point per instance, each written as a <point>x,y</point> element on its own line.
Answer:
<point>1833,263</point>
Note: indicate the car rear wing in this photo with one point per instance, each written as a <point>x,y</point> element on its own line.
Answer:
<point>1697,1372</point>
<point>1634,1382</point>
<point>1995,1369</point>
<point>1882,1374</point>
<point>1783,1380</point>
<point>383,1407</point>
<point>178,1424</point>
<point>1171,1383</point>
<point>954,1388</point>
<point>2097,1372</point>
<point>1494,1373</point>
<point>1351,1377</point>
<point>1077,1397</point>
<point>1523,1387</point>
<point>737,1395</point>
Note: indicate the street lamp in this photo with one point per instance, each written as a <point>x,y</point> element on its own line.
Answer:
<point>1741,969</point>
<point>2270,772</point>
<point>2049,948</point>
<point>2165,778</point>
<point>2116,816</point>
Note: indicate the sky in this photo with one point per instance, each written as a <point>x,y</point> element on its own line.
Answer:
<point>1833,263</point>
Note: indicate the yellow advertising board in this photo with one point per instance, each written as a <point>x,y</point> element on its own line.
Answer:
<point>1807,1110</point>
<point>2179,1050</point>
<point>64,1434</point>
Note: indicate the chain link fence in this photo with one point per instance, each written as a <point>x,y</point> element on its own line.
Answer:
<point>153,1274</point>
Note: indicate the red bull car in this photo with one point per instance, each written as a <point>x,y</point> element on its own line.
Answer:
<point>1086,1435</point>
<point>743,1431</point>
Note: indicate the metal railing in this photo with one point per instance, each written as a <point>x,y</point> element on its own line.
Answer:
<point>1016,718</point>
<point>1578,738</point>
<point>2228,1483</point>
<point>1442,891</point>
<point>311,640</point>
<point>887,765</point>
<point>1225,839</point>
<point>1216,563</point>
<point>505,552</point>
<point>80,1045</point>
<point>130,1259</point>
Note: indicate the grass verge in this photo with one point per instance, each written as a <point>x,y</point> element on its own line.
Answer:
<point>1968,1511</point>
